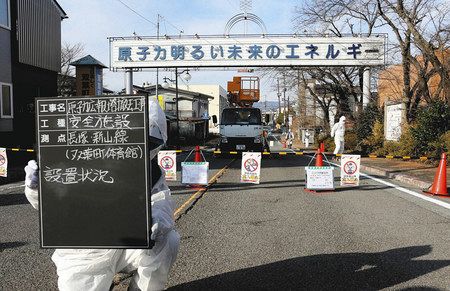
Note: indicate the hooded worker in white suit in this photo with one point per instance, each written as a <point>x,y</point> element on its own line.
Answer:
<point>94,269</point>
<point>338,132</point>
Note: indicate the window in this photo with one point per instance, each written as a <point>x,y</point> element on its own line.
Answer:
<point>242,116</point>
<point>170,106</point>
<point>5,14</point>
<point>6,101</point>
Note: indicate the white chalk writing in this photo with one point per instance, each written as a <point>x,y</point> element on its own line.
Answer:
<point>45,138</point>
<point>113,153</point>
<point>62,138</point>
<point>98,137</point>
<point>112,105</point>
<point>75,175</point>
<point>117,121</point>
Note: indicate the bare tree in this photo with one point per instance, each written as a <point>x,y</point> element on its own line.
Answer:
<point>422,34</point>
<point>431,30</point>
<point>338,18</point>
<point>69,54</point>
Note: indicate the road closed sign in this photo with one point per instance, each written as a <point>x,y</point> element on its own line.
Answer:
<point>319,178</point>
<point>167,160</point>
<point>350,165</point>
<point>3,163</point>
<point>251,167</point>
<point>194,173</point>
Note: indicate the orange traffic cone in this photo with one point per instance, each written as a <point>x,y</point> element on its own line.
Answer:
<point>319,158</point>
<point>198,157</point>
<point>439,186</point>
<point>322,147</point>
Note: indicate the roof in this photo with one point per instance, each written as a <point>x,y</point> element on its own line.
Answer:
<point>88,61</point>
<point>107,91</point>
<point>188,95</point>
<point>180,91</point>
<point>61,11</point>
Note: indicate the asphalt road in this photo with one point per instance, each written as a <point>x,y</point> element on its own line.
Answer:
<point>270,236</point>
<point>277,236</point>
<point>23,264</point>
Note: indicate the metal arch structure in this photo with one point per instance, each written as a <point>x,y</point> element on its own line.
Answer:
<point>245,17</point>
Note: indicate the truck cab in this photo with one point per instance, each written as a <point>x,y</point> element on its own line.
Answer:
<point>241,129</point>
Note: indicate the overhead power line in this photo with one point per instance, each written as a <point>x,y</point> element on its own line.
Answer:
<point>137,13</point>
<point>173,25</point>
<point>149,21</point>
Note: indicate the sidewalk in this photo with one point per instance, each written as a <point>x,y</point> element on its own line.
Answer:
<point>416,174</point>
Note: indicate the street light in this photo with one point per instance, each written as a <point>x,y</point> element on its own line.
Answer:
<point>166,85</point>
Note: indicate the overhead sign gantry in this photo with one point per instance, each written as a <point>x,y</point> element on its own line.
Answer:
<point>243,50</point>
<point>246,51</point>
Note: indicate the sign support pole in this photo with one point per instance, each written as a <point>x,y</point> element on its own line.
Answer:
<point>176,104</point>
<point>366,86</point>
<point>129,81</point>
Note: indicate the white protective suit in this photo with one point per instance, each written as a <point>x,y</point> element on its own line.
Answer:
<point>94,269</point>
<point>290,138</point>
<point>307,135</point>
<point>338,132</point>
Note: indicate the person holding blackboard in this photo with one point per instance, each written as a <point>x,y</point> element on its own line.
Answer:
<point>94,269</point>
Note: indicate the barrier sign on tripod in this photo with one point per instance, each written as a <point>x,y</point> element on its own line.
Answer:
<point>168,161</point>
<point>3,163</point>
<point>350,170</point>
<point>319,178</point>
<point>194,173</point>
<point>251,167</point>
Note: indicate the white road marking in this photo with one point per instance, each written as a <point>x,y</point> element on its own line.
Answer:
<point>407,191</point>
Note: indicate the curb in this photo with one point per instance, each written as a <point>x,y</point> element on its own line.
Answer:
<point>413,181</point>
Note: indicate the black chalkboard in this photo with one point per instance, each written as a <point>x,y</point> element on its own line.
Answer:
<point>94,172</point>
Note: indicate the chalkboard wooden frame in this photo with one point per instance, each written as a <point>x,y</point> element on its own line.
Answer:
<point>82,206</point>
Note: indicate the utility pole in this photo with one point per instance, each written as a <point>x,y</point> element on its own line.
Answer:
<point>286,119</point>
<point>265,104</point>
<point>157,69</point>
<point>288,113</point>
<point>176,107</point>
<point>279,96</point>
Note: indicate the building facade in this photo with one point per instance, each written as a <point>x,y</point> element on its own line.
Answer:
<point>391,85</point>
<point>192,109</point>
<point>30,59</point>
<point>216,105</point>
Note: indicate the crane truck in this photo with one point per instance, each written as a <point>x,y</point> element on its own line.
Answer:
<point>241,125</point>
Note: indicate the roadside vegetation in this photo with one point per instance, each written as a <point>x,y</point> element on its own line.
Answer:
<point>428,135</point>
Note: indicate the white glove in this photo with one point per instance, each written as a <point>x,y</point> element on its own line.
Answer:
<point>31,175</point>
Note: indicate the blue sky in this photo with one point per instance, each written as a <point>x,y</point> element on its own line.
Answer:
<point>91,22</point>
